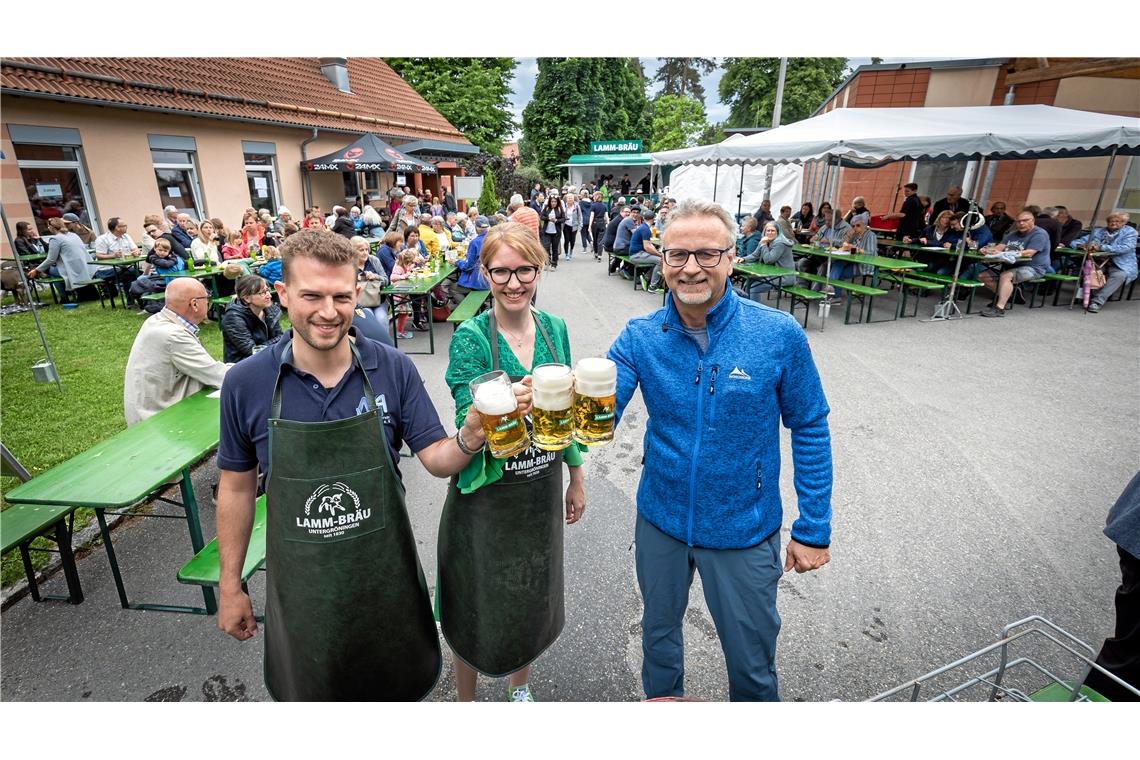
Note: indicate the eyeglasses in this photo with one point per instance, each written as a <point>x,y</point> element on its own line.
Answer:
<point>197,298</point>
<point>502,275</point>
<point>707,258</point>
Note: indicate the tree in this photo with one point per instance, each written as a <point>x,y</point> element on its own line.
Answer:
<point>677,122</point>
<point>682,76</point>
<point>488,200</point>
<point>712,133</point>
<point>748,88</point>
<point>471,93</point>
<point>577,100</point>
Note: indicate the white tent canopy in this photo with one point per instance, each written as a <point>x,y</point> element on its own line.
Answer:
<point>873,136</point>
<point>734,192</point>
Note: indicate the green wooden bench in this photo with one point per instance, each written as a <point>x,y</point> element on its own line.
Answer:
<point>471,305</point>
<point>204,569</point>
<point>636,268</point>
<point>968,285</point>
<point>865,294</point>
<point>797,295</point>
<point>1061,280</point>
<point>904,282</point>
<point>104,289</point>
<point>21,523</point>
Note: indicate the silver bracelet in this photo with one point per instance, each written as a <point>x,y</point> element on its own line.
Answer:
<point>463,446</point>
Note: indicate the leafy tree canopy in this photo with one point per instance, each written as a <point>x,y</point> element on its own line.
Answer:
<point>471,93</point>
<point>748,88</point>
<point>682,76</point>
<point>677,122</point>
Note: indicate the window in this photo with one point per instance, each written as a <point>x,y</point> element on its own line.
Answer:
<point>176,172</point>
<point>934,178</point>
<point>56,182</point>
<point>1129,199</point>
<point>261,176</point>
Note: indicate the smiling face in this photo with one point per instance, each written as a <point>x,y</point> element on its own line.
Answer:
<point>320,298</point>
<point>692,284</point>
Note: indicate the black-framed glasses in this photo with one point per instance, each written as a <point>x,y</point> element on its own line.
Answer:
<point>502,275</point>
<point>707,258</point>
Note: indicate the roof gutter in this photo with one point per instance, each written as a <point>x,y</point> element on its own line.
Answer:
<point>308,176</point>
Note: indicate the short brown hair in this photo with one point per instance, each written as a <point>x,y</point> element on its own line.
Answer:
<point>152,219</point>
<point>392,239</point>
<point>516,236</point>
<point>328,249</point>
<point>162,243</point>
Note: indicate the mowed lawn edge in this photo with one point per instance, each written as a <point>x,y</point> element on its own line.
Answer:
<point>43,426</point>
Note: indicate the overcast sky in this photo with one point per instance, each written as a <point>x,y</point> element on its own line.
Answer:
<point>526,71</point>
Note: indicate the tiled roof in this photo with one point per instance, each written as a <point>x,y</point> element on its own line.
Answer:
<point>290,91</point>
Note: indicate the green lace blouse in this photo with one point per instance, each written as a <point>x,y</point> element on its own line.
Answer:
<point>470,356</point>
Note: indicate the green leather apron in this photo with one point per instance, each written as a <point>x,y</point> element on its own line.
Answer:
<point>348,617</point>
<point>500,592</point>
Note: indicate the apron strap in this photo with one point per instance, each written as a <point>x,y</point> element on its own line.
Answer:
<point>493,337</point>
<point>287,355</point>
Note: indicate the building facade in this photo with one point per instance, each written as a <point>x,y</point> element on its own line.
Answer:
<point>1101,85</point>
<point>104,137</point>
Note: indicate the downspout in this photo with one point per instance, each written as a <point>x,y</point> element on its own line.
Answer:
<point>308,188</point>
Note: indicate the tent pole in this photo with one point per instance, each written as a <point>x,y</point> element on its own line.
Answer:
<point>1092,221</point>
<point>716,177</point>
<point>31,303</point>
<point>740,195</point>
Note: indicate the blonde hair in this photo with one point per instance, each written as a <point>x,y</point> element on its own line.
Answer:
<point>270,252</point>
<point>516,236</point>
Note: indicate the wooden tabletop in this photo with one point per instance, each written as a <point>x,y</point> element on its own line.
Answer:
<point>129,466</point>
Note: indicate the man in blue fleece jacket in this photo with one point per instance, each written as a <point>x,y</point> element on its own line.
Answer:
<point>718,374</point>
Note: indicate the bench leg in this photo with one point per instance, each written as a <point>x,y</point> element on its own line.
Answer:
<point>29,571</point>
<point>63,533</point>
<point>112,559</point>
<point>190,504</point>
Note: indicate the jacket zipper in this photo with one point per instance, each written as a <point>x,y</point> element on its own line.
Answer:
<point>696,453</point>
<point>712,395</point>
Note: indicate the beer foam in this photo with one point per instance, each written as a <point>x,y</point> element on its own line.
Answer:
<point>495,398</point>
<point>596,369</point>
<point>551,373</point>
<point>553,401</point>
<point>595,389</point>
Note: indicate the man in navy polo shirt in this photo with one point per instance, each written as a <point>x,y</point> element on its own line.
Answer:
<point>642,251</point>
<point>320,380</point>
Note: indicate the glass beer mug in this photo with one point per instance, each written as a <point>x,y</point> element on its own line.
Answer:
<point>498,410</point>
<point>595,401</point>
<point>553,387</point>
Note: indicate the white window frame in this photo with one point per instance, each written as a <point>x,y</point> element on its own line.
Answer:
<point>1134,212</point>
<point>195,186</point>
<point>77,165</point>
<point>272,169</point>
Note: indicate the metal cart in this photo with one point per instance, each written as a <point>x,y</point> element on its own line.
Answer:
<point>1029,655</point>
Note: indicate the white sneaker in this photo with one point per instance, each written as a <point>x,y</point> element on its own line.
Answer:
<point>520,693</point>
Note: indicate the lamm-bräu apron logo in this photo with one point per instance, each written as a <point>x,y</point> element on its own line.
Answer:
<point>333,510</point>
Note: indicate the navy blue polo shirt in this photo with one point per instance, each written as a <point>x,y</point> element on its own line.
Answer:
<point>640,236</point>
<point>247,395</point>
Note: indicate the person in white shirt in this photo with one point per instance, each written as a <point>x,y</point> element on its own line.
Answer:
<point>168,362</point>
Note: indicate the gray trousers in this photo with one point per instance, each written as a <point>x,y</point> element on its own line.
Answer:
<point>740,589</point>
<point>1114,278</point>
<point>648,258</point>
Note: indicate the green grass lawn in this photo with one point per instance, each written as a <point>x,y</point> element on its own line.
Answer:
<point>43,426</point>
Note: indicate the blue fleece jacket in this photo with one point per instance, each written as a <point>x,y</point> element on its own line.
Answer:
<point>711,474</point>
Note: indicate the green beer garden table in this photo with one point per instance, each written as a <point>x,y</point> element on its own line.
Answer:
<point>125,469</point>
<point>416,289</point>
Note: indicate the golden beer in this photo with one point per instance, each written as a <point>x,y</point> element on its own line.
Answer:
<point>553,428</point>
<point>595,401</point>
<point>594,419</point>
<point>506,433</point>
<point>503,426</point>
<point>553,387</point>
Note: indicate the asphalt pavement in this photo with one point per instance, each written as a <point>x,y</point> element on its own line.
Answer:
<point>975,462</point>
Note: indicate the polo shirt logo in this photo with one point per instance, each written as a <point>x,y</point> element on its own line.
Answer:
<point>381,404</point>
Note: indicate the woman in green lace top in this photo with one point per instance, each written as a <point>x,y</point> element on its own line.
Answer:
<point>500,579</point>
